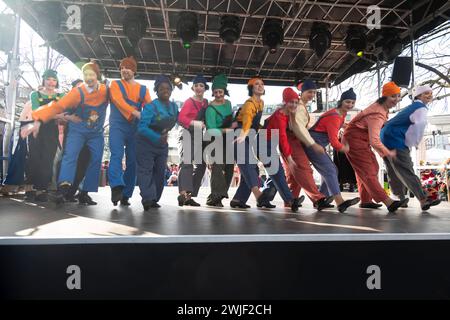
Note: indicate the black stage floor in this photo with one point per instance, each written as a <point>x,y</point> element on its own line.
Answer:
<point>21,219</point>
<point>207,253</point>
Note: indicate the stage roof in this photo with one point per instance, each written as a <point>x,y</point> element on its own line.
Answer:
<point>160,50</point>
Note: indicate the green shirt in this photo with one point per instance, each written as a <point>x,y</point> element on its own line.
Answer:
<point>35,103</point>
<point>214,119</point>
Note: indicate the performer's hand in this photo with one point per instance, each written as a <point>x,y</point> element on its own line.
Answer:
<point>392,154</point>
<point>345,148</point>
<point>136,114</point>
<point>26,130</point>
<point>35,128</point>
<point>234,125</point>
<point>318,148</point>
<point>240,139</point>
<point>73,118</point>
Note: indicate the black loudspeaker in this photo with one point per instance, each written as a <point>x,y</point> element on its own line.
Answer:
<point>319,101</point>
<point>401,74</point>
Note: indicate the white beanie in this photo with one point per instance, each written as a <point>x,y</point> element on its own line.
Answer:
<point>418,90</point>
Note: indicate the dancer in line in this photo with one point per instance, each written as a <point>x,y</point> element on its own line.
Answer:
<point>324,132</point>
<point>362,133</point>
<point>401,133</point>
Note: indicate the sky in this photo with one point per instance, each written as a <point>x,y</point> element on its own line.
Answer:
<point>365,87</point>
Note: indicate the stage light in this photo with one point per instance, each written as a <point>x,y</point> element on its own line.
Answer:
<point>391,46</point>
<point>134,25</point>
<point>92,21</point>
<point>273,34</point>
<point>320,38</point>
<point>356,40</point>
<point>229,28</point>
<point>187,28</point>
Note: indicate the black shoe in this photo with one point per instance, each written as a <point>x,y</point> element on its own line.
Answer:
<point>116,194</point>
<point>41,197</point>
<point>347,203</point>
<point>370,205</point>
<point>58,197</point>
<point>84,198</point>
<point>30,195</point>
<point>324,202</point>
<point>191,202</point>
<point>430,203</point>
<point>124,201</point>
<point>405,205</point>
<point>181,200</point>
<point>328,206</point>
<point>238,204</point>
<point>396,204</point>
<point>214,201</point>
<point>147,204</point>
<point>154,204</point>
<point>263,201</point>
<point>296,203</point>
<point>70,198</point>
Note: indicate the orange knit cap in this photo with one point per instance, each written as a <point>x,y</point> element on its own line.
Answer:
<point>252,81</point>
<point>94,67</point>
<point>129,63</point>
<point>389,89</point>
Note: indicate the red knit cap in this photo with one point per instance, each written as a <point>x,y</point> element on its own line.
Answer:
<point>129,63</point>
<point>389,89</point>
<point>289,94</point>
<point>94,67</point>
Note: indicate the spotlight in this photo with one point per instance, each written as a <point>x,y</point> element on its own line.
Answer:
<point>92,21</point>
<point>320,38</point>
<point>356,40</point>
<point>229,28</point>
<point>272,34</point>
<point>50,17</point>
<point>187,28</point>
<point>392,45</point>
<point>134,25</point>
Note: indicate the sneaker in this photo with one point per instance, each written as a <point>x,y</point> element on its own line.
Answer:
<point>147,204</point>
<point>347,203</point>
<point>263,201</point>
<point>154,204</point>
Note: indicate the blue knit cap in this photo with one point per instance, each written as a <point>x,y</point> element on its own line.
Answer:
<point>200,79</point>
<point>160,79</point>
<point>348,95</point>
<point>308,84</point>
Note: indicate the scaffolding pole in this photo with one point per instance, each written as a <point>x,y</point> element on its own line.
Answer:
<point>11,93</point>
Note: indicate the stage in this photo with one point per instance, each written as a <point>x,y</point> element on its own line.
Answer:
<point>209,253</point>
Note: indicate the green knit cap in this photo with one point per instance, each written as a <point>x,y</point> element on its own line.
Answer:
<point>220,82</point>
<point>49,73</point>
